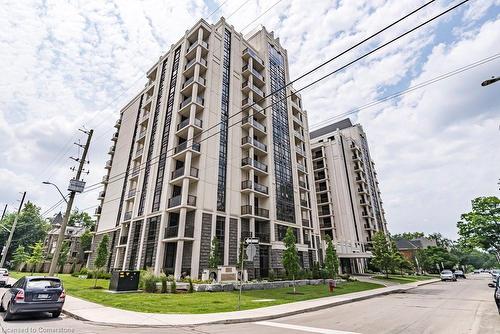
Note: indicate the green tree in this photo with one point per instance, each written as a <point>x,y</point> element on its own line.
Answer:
<point>408,235</point>
<point>331,258</point>
<point>85,244</point>
<point>82,219</point>
<point>214,258</point>
<point>441,241</point>
<point>102,256</point>
<point>481,227</point>
<point>291,256</point>
<point>36,256</point>
<point>19,257</point>
<point>63,255</point>
<point>383,254</point>
<point>31,228</point>
<point>432,257</point>
<point>400,261</point>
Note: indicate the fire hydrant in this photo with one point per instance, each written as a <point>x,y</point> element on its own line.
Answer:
<point>331,285</point>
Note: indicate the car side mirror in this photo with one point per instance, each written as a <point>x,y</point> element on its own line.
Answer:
<point>491,285</point>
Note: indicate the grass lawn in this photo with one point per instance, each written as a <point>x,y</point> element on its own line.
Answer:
<point>402,279</point>
<point>199,302</point>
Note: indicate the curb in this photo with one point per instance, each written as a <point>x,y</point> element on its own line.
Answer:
<point>258,318</point>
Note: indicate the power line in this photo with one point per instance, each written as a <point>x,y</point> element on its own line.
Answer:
<point>311,71</point>
<point>303,88</point>
<point>215,10</point>
<point>258,17</point>
<point>237,9</point>
<point>410,89</point>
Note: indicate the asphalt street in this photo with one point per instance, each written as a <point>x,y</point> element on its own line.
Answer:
<point>466,306</point>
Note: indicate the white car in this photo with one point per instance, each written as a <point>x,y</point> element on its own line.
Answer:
<point>4,276</point>
<point>448,275</point>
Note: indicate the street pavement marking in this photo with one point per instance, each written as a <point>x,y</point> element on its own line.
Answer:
<point>302,328</point>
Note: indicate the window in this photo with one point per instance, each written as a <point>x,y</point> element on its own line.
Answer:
<point>226,73</point>
<point>220,226</point>
<point>150,241</point>
<point>43,283</point>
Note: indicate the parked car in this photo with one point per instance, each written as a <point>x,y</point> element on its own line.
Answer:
<point>447,275</point>
<point>495,273</point>
<point>459,274</point>
<point>4,277</point>
<point>31,294</point>
<point>477,271</point>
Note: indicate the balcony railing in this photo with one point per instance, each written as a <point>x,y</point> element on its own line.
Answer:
<point>139,151</point>
<point>131,193</point>
<point>249,184</point>
<point>299,135</point>
<point>141,135</point>
<point>127,215</point>
<point>98,210</point>
<point>254,72</point>
<point>254,123</point>
<point>101,194</point>
<point>302,184</point>
<point>302,168</point>
<point>192,61</point>
<point>180,172</point>
<point>135,171</point>
<point>200,80</point>
<point>248,210</point>
<point>306,222</point>
<point>108,164</point>
<point>253,54</point>
<point>252,87</point>
<point>251,162</point>
<point>300,151</point>
<point>105,178</point>
<point>177,200</point>
<point>115,136</point>
<point>195,44</point>
<point>254,142</point>
<point>303,203</point>
<point>171,231</point>
<point>181,147</point>
<point>198,100</point>
<point>197,122</point>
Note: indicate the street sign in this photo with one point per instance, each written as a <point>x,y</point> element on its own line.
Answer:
<point>76,185</point>
<point>252,240</point>
<point>251,252</point>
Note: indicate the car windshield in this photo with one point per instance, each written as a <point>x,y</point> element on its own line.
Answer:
<point>43,283</point>
<point>3,271</point>
<point>495,271</point>
<point>446,272</point>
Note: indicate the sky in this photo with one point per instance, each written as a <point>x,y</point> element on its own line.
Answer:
<point>73,64</point>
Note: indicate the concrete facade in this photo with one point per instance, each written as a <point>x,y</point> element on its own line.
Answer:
<point>347,193</point>
<point>201,153</point>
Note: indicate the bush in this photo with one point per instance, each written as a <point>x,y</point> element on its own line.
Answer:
<point>271,275</point>
<point>315,270</point>
<point>149,282</point>
<point>84,271</point>
<point>163,280</point>
<point>100,275</point>
<point>73,268</point>
<point>191,287</point>
<point>173,287</point>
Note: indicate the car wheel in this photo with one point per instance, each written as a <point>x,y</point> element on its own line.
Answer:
<point>56,314</point>
<point>7,315</point>
<point>1,305</point>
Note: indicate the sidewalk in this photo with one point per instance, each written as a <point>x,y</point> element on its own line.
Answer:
<point>99,314</point>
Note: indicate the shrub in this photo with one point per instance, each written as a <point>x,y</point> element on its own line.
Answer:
<point>149,281</point>
<point>163,280</point>
<point>191,287</point>
<point>84,271</point>
<point>73,268</point>
<point>315,271</point>
<point>100,275</point>
<point>271,275</point>
<point>173,287</point>
<point>170,278</point>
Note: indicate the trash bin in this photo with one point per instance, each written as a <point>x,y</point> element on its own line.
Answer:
<point>124,280</point>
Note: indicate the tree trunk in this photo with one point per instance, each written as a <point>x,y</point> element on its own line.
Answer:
<point>293,279</point>
<point>95,279</point>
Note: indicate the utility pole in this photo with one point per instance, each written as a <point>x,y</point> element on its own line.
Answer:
<point>76,185</point>
<point>11,234</point>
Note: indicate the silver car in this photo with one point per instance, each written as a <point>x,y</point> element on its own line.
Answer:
<point>448,275</point>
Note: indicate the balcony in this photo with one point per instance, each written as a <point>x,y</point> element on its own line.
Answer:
<point>131,193</point>
<point>179,174</point>
<point>354,147</point>
<point>257,165</point>
<point>303,203</point>
<point>360,179</point>
<point>248,210</point>
<point>298,135</point>
<point>123,240</point>
<point>108,164</point>
<point>177,201</point>
<point>171,231</point>
<point>249,53</point>
<point>115,136</point>
<point>297,120</point>
<point>303,184</point>
<point>251,185</point>
<point>182,148</point>
<point>323,199</point>
<point>255,143</point>
<point>189,68</point>
<point>300,151</point>
<point>296,106</point>
<point>198,101</point>
<point>98,210</point>
<point>184,125</point>
<point>194,45</point>
<point>118,123</point>
<point>306,222</point>
<point>138,153</point>
<point>263,237</point>
<point>141,135</point>
<point>301,168</point>
<point>250,121</point>
<point>101,195</point>
<point>135,172</point>
<point>187,87</point>
<point>257,77</point>
<point>127,215</point>
<point>105,179</point>
<point>145,117</point>
<point>246,86</point>
<point>111,150</point>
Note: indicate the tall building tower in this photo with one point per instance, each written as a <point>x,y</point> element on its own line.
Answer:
<point>347,193</point>
<point>201,153</point>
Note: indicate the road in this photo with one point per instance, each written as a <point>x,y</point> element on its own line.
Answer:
<point>465,306</point>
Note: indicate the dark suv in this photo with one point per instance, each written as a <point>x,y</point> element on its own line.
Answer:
<point>31,294</point>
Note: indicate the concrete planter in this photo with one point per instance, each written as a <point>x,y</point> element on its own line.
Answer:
<point>217,287</point>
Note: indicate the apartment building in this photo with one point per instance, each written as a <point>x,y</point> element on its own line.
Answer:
<point>200,153</point>
<point>347,193</point>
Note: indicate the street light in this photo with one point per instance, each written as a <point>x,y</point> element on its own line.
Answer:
<point>64,197</point>
<point>490,81</point>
